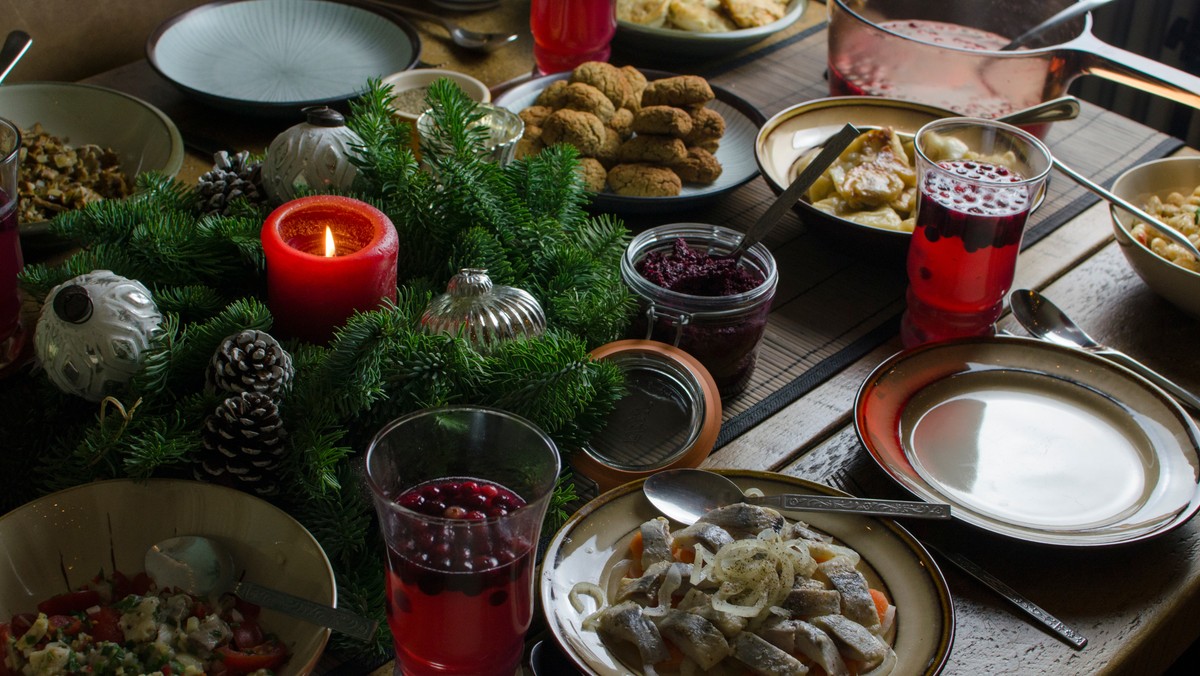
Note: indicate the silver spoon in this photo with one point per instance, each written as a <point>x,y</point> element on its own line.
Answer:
<point>1166,230</point>
<point>15,46</point>
<point>833,148</point>
<point>1066,14</point>
<point>686,494</point>
<point>1044,320</point>
<point>202,567</point>
<point>463,37</point>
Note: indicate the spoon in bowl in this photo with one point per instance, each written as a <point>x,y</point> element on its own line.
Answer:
<point>1044,320</point>
<point>1063,15</point>
<point>463,37</point>
<point>15,46</point>
<point>201,566</point>
<point>686,494</point>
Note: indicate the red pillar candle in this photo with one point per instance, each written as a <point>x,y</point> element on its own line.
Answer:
<point>311,293</point>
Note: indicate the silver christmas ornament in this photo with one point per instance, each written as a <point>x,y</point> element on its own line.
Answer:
<point>482,313</point>
<point>313,155</point>
<point>92,331</point>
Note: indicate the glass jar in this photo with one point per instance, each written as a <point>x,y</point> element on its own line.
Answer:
<point>721,332</point>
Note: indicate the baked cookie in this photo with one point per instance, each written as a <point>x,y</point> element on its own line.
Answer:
<point>652,13</point>
<point>610,148</point>
<point>652,148</point>
<point>535,116</point>
<point>643,180</point>
<point>706,124</point>
<point>551,96</point>
<point>583,130</point>
<point>528,147</point>
<point>637,84</point>
<point>594,175</point>
<point>754,13</point>
<point>700,166</point>
<point>622,122</point>
<point>665,120</point>
<point>583,96</point>
<point>532,132</point>
<point>605,77</point>
<point>679,91</point>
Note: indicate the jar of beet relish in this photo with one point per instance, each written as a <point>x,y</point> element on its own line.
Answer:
<point>690,298</point>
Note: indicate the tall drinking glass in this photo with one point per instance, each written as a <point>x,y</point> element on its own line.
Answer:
<point>461,493</point>
<point>567,33</point>
<point>12,336</point>
<point>978,180</point>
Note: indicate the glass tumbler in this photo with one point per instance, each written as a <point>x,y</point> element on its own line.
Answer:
<point>461,493</point>
<point>978,180</point>
<point>12,336</point>
<point>567,33</point>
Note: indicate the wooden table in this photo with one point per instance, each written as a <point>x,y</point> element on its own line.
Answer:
<point>1136,604</point>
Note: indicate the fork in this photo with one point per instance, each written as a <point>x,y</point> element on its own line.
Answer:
<point>843,479</point>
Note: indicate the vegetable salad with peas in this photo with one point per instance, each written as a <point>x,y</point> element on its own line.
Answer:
<point>120,625</point>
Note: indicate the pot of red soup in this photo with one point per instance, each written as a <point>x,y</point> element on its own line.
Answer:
<point>948,54</point>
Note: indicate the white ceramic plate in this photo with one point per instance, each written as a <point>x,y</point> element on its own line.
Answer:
<point>264,56</point>
<point>59,542</point>
<point>1034,441</point>
<point>735,153</point>
<point>688,43</point>
<point>598,535</point>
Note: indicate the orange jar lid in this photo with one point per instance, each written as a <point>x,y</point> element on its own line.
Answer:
<point>669,418</point>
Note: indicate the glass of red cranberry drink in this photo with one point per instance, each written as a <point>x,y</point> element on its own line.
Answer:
<point>461,493</point>
<point>12,337</point>
<point>977,180</point>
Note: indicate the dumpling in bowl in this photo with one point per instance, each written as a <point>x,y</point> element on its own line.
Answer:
<point>872,182</point>
<point>649,13</point>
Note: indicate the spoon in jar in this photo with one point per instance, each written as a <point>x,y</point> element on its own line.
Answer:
<point>15,46</point>
<point>1045,320</point>
<point>201,566</point>
<point>686,494</point>
<point>833,148</point>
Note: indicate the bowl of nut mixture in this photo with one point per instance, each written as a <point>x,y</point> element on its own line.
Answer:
<point>1170,190</point>
<point>82,143</point>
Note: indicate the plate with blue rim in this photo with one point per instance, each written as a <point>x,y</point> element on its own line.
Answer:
<point>275,57</point>
<point>735,153</point>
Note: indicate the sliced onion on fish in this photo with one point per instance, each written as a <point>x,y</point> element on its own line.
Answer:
<point>585,589</point>
<point>671,581</point>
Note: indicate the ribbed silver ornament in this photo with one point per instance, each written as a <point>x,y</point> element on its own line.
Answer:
<point>482,313</point>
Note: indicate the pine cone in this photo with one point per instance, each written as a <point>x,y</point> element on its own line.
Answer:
<point>250,361</point>
<point>228,180</point>
<point>243,442</point>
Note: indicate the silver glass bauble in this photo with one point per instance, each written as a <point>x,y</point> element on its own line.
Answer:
<point>483,314</point>
<point>92,332</point>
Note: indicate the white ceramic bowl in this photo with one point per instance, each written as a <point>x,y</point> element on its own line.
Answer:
<point>142,136</point>
<point>680,43</point>
<point>422,77</point>
<point>1178,285</point>
<point>59,542</point>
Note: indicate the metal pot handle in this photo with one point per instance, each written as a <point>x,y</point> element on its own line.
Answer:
<point>1097,57</point>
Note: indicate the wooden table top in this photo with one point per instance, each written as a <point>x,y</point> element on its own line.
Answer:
<point>1136,604</point>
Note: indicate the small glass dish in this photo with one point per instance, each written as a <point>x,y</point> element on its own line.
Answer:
<point>505,128</point>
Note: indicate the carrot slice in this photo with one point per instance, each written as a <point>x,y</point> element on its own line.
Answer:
<point>881,603</point>
<point>635,546</point>
<point>683,554</point>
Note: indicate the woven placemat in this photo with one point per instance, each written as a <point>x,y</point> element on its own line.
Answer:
<point>835,305</point>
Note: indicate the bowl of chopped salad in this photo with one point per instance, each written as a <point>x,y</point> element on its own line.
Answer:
<point>74,597</point>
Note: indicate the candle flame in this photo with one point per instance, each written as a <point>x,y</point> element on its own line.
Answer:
<point>330,249</point>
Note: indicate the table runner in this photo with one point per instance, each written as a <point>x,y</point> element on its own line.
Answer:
<point>834,305</point>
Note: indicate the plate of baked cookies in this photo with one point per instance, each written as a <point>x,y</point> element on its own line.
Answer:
<point>649,141</point>
<point>702,27</point>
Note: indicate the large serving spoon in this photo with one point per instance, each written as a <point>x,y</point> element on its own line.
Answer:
<point>687,494</point>
<point>1166,230</point>
<point>202,567</point>
<point>1066,14</point>
<point>1045,320</point>
<point>463,37</point>
<point>15,46</point>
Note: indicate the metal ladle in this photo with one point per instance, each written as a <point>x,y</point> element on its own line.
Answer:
<point>686,494</point>
<point>1066,14</point>
<point>202,567</point>
<point>15,46</point>
<point>463,37</point>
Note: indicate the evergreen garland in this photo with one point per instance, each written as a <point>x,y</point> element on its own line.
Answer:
<point>525,224</point>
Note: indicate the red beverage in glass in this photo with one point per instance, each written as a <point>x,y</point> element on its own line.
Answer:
<point>567,33</point>
<point>460,590</point>
<point>12,335</point>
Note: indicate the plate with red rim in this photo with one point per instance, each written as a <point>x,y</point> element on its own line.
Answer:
<point>1033,441</point>
<point>589,547</point>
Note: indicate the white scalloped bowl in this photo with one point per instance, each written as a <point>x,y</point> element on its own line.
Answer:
<point>59,542</point>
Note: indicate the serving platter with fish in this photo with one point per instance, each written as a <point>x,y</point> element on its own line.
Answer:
<point>625,591</point>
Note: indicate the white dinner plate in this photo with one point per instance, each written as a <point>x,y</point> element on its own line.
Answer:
<point>735,153</point>
<point>278,56</point>
<point>590,544</point>
<point>1032,440</point>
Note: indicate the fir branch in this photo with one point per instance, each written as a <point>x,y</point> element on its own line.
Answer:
<point>191,303</point>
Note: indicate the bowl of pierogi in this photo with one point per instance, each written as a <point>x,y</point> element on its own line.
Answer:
<point>702,27</point>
